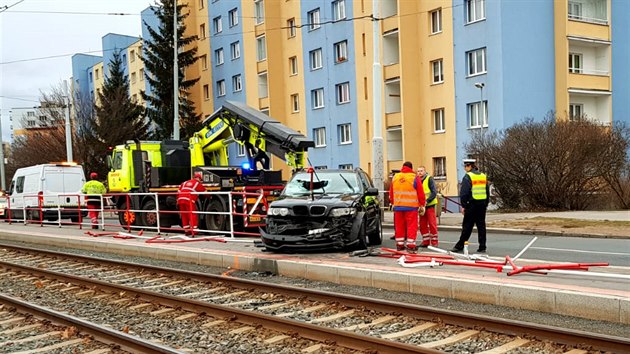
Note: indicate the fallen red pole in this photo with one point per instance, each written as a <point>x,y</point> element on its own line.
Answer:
<point>570,266</point>
<point>214,239</point>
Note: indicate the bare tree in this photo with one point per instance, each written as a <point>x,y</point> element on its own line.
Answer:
<point>553,164</point>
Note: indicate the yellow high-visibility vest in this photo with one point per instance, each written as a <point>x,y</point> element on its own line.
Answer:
<point>427,190</point>
<point>479,182</point>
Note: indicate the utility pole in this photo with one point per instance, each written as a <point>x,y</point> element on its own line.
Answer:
<point>377,74</point>
<point>2,173</point>
<point>175,77</point>
<point>68,127</point>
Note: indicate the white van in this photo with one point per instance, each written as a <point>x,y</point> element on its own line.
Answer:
<point>55,184</point>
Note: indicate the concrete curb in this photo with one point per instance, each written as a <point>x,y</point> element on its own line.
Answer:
<point>390,226</point>
<point>565,301</point>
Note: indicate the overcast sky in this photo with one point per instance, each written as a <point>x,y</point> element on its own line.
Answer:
<point>39,37</point>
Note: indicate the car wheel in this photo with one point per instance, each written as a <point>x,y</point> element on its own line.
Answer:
<point>362,239</point>
<point>376,237</point>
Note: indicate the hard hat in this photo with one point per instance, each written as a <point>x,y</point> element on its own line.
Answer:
<point>93,175</point>
<point>198,175</point>
<point>469,161</point>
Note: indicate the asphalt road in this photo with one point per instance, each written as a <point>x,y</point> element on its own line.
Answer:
<point>616,252</point>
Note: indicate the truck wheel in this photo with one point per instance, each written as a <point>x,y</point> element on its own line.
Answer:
<point>215,221</point>
<point>148,215</point>
<point>126,217</point>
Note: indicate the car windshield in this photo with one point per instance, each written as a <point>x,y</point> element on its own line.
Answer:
<point>323,182</point>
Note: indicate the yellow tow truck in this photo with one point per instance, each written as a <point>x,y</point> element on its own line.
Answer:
<point>145,175</point>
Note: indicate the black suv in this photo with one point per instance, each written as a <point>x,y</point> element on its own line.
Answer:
<point>323,209</point>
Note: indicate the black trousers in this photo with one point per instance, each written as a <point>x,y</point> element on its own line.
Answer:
<point>475,214</point>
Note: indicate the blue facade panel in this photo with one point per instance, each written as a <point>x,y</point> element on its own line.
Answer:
<point>82,73</point>
<point>620,21</point>
<point>149,19</point>
<point>112,43</point>
<point>331,74</point>
<point>230,67</point>
<point>519,81</point>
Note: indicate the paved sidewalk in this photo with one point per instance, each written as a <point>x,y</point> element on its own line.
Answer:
<point>453,221</point>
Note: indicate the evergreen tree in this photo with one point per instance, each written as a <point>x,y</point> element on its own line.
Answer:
<point>118,118</point>
<point>158,62</point>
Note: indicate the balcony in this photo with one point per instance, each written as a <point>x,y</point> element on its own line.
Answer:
<point>590,11</point>
<point>392,96</point>
<point>589,64</point>
<point>594,105</point>
<point>391,48</point>
<point>389,8</point>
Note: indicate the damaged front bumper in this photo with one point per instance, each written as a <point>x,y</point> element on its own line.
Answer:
<point>293,234</point>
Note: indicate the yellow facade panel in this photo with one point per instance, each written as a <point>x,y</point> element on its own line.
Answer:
<point>588,30</point>
<point>589,82</point>
<point>391,71</point>
<point>390,24</point>
<point>393,119</point>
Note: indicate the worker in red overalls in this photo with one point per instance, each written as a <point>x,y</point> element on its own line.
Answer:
<point>186,201</point>
<point>407,195</point>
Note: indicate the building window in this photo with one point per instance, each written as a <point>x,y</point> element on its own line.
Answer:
<point>261,48</point>
<point>439,126</point>
<point>237,84</point>
<point>345,133</point>
<point>96,74</point>
<point>317,96</point>
<point>475,10</point>
<point>240,149</point>
<point>476,117</point>
<point>220,88</point>
<point>263,85</point>
<point>204,62</point>
<point>576,110</point>
<point>438,71</point>
<point>575,63</point>
<point>346,166</point>
<point>218,56</point>
<point>132,56</point>
<point>217,25</point>
<point>235,50</point>
<point>341,51</point>
<point>476,61</point>
<point>295,103</point>
<point>233,17</point>
<point>206,92</point>
<point>315,57</point>
<point>124,59</point>
<point>90,76</point>
<point>319,135</point>
<point>343,92</point>
<point>133,78</point>
<point>141,74</point>
<point>439,167</point>
<point>259,11</point>
<point>291,27</point>
<point>575,10</point>
<point>202,4</point>
<point>339,10</point>
<point>293,65</point>
<point>436,21</point>
<point>202,31</point>
<point>313,20</point>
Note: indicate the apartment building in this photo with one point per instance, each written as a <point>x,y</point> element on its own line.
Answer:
<point>447,69</point>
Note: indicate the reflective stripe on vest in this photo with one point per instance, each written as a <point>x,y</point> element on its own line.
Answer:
<point>427,190</point>
<point>404,193</point>
<point>479,182</point>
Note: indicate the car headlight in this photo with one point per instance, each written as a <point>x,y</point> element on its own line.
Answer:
<point>278,211</point>
<point>342,212</point>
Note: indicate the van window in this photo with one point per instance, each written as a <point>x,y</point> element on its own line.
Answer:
<point>54,182</point>
<point>72,182</point>
<point>19,185</point>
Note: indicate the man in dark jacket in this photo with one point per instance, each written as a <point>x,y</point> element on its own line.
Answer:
<point>473,195</point>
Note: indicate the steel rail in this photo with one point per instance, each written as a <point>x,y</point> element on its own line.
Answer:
<point>511,327</point>
<point>102,334</point>
<point>317,333</point>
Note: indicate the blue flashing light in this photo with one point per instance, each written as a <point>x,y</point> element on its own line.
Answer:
<point>246,166</point>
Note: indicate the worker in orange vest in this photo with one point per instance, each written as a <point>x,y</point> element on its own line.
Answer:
<point>406,195</point>
<point>186,201</point>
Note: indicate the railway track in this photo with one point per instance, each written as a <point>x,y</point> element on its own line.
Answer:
<point>278,317</point>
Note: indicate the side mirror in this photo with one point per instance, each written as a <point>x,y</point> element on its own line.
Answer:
<point>110,164</point>
<point>372,192</point>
